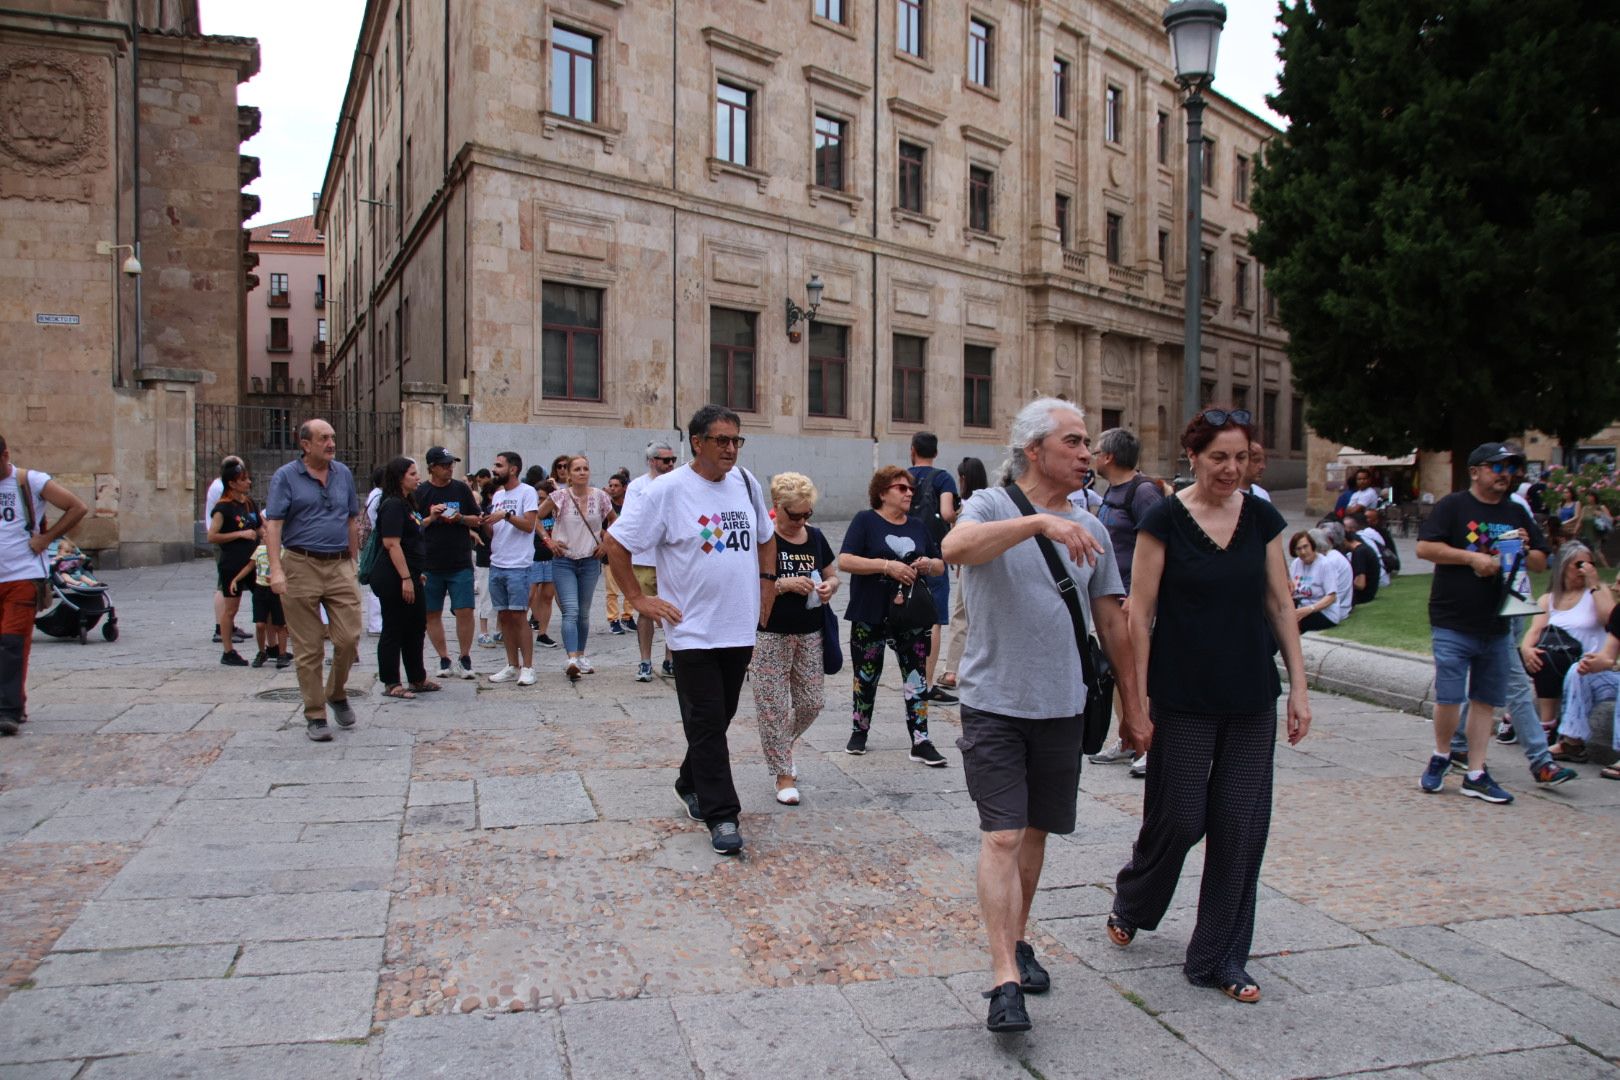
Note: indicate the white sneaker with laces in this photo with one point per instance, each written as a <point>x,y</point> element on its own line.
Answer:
<point>506,674</point>
<point>526,677</point>
<point>1112,754</point>
<point>585,665</point>
<point>1139,767</point>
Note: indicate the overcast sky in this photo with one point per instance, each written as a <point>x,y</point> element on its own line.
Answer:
<point>306,47</point>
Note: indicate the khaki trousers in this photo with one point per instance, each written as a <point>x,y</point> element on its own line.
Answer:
<point>311,585</point>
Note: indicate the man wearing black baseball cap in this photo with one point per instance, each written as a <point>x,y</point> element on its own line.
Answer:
<point>1472,642</point>
<point>449,521</point>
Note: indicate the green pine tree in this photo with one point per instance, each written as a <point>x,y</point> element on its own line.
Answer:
<point>1441,223</point>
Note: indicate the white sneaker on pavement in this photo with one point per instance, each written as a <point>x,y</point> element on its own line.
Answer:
<point>506,674</point>
<point>1139,767</point>
<point>1112,754</point>
<point>526,677</point>
<point>585,665</point>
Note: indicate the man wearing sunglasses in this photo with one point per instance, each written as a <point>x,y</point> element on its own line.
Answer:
<point>1474,656</point>
<point>660,462</point>
<point>709,533</point>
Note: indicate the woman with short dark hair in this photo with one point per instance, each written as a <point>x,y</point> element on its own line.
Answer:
<point>234,526</point>
<point>1210,605</point>
<point>888,554</point>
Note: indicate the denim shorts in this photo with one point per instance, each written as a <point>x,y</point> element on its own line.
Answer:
<point>459,586</point>
<point>541,573</point>
<point>509,589</point>
<point>1471,667</point>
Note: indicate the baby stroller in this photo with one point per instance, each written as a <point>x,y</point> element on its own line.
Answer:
<point>78,599</point>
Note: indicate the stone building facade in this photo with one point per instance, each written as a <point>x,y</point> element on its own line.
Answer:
<point>286,311</point>
<point>584,219</point>
<point>119,126</point>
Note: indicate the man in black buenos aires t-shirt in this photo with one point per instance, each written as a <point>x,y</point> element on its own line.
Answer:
<point>450,514</point>
<point>1472,641</point>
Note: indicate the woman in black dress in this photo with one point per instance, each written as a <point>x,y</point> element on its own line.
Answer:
<point>234,526</point>
<point>1210,606</point>
<point>397,579</point>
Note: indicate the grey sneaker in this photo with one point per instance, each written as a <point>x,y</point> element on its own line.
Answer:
<point>342,712</point>
<point>726,839</point>
<point>1112,754</point>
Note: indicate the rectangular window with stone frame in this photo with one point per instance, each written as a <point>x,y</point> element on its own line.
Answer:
<point>831,10</point>
<point>978,367</point>
<point>829,370</point>
<point>1296,424</point>
<point>830,139</point>
<point>1060,88</point>
<point>910,27</point>
<point>733,108</point>
<point>1062,214</point>
<point>571,342</point>
<point>981,202</point>
<point>1114,243</point>
<point>908,360</point>
<point>732,358</point>
<point>1114,115</point>
<point>981,53</point>
<point>1206,273</point>
<point>913,166</point>
<point>1268,419</point>
<point>1240,284</point>
<point>573,73</point>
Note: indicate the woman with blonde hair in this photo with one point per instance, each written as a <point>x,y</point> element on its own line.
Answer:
<point>787,663</point>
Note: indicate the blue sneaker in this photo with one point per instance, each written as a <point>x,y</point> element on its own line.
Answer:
<point>1435,774</point>
<point>1485,788</point>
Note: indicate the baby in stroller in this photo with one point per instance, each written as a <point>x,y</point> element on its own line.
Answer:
<point>79,598</point>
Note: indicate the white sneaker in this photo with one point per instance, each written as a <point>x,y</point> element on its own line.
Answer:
<point>526,677</point>
<point>1112,754</point>
<point>506,674</point>
<point>1139,767</point>
<point>585,665</point>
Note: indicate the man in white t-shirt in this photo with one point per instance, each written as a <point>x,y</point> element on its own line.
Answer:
<point>1365,495</point>
<point>660,461</point>
<point>1256,469</point>
<point>514,513</point>
<point>216,491</point>
<point>709,533</point>
<point>24,536</point>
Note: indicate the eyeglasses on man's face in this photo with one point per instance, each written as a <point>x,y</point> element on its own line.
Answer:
<point>1222,417</point>
<point>670,460</point>
<point>724,441</point>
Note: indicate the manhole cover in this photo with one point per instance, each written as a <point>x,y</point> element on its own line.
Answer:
<point>291,693</point>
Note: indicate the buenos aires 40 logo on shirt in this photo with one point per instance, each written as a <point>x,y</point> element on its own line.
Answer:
<point>730,530</point>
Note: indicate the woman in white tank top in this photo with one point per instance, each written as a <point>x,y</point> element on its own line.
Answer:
<point>1573,614</point>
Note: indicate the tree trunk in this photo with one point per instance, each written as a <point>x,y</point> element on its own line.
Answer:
<point>1459,465</point>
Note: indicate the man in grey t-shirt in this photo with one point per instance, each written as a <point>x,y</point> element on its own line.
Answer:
<point>1021,723</point>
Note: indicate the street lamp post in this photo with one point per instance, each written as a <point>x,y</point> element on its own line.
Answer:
<point>1195,37</point>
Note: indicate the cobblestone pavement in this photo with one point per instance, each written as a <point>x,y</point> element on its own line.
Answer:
<point>498,881</point>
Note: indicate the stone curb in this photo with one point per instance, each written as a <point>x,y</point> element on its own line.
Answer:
<point>1393,678</point>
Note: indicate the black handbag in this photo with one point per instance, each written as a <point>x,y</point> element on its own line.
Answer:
<point>1098,715</point>
<point>832,650</point>
<point>1563,649</point>
<point>912,607</point>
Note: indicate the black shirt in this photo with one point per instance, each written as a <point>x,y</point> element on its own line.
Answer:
<point>448,540</point>
<point>1364,561</point>
<point>542,553</point>
<point>397,518</point>
<point>481,550</point>
<point>1460,599</point>
<point>870,595</point>
<point>1212,648</point>
<point>789,614</point>
<point>236,517</point>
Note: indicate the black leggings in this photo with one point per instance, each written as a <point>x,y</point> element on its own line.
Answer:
<point>404,626</point>
<point>1316,620</point>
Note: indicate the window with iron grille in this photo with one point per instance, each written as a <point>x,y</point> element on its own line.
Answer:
<point>829,151</point>
<point>978,362</point>
<point>1113,115</point>
<point>913,159</point>
<point>573,73</point>
<point>1240,397</point>
<point>278,286</point>
<point>280,339</point>
<point>1060,88</point>
<point>980,183</point>
<point>731,358</point>
<point>829,370</point>
<point>981,52</point>
<point>1115,240</point>
<point>909,356</point>
<point>571,342</point>
<point>732,108</point>
<point>1268,419</point>
<point>909,27</point>
<point>1062,213</point>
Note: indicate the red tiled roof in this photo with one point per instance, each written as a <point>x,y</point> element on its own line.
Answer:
<point>300,230</point>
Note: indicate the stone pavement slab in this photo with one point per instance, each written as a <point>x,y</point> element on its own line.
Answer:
<point>135,965</point>
<point>157,719</point>
<point>122,924</point>
<point>625,1040</point>
<point>474,1048</point>
<point>1565,948</point>
<point>1580,1016</point>
<point>775,1033</point>
<point>61,1022</point>
<point>323,954</point>
<point>541,799</point>
<point>304,1061</point>
<point>1553,1063</point>
<point>1461,959</point>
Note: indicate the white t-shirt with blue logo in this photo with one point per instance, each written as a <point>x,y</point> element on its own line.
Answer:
<point>703,536</point>
<point>17,562</point>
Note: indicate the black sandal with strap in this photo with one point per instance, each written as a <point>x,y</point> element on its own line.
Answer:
<point>1120,932</point>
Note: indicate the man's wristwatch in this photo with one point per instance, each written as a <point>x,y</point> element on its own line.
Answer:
<point>767,577</point>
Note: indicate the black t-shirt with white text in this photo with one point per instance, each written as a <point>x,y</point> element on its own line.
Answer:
<point>789,614</point>
<point>448,541</point>
<point>1460,599</point>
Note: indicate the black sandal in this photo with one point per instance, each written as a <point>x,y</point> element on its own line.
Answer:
<point>1120,932</point>
<point>1246,992</point>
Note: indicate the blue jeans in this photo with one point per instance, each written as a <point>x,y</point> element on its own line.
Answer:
<point>1583,693</point>
<point>1521,702</point>
<point>576,582</point>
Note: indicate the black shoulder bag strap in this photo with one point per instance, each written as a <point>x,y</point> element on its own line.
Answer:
<point>1069,590</point>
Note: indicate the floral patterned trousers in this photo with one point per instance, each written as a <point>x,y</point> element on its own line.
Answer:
<point>866,657</point>
<point>788,695</point>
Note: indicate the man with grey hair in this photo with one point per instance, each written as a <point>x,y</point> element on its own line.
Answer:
<point>1021,726</point>
<point>660,461</point>
<point>1129,497</point>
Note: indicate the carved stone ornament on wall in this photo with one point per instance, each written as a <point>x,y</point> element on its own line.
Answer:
<point>53,128</point>
<point>1114,364</point>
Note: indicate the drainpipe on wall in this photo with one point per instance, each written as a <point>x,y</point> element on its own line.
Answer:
<point>876,96</point>
<point>135,141</point>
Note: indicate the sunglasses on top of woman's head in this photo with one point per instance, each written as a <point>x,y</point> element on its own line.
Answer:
<point>1222,417</point>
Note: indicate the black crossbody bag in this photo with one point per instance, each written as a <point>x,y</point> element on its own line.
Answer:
<point>1098,676</point>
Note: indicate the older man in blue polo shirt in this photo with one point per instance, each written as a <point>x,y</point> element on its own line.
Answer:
<point>312,536</point>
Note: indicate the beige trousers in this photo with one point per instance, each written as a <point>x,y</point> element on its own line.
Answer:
<point>311,585</point>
